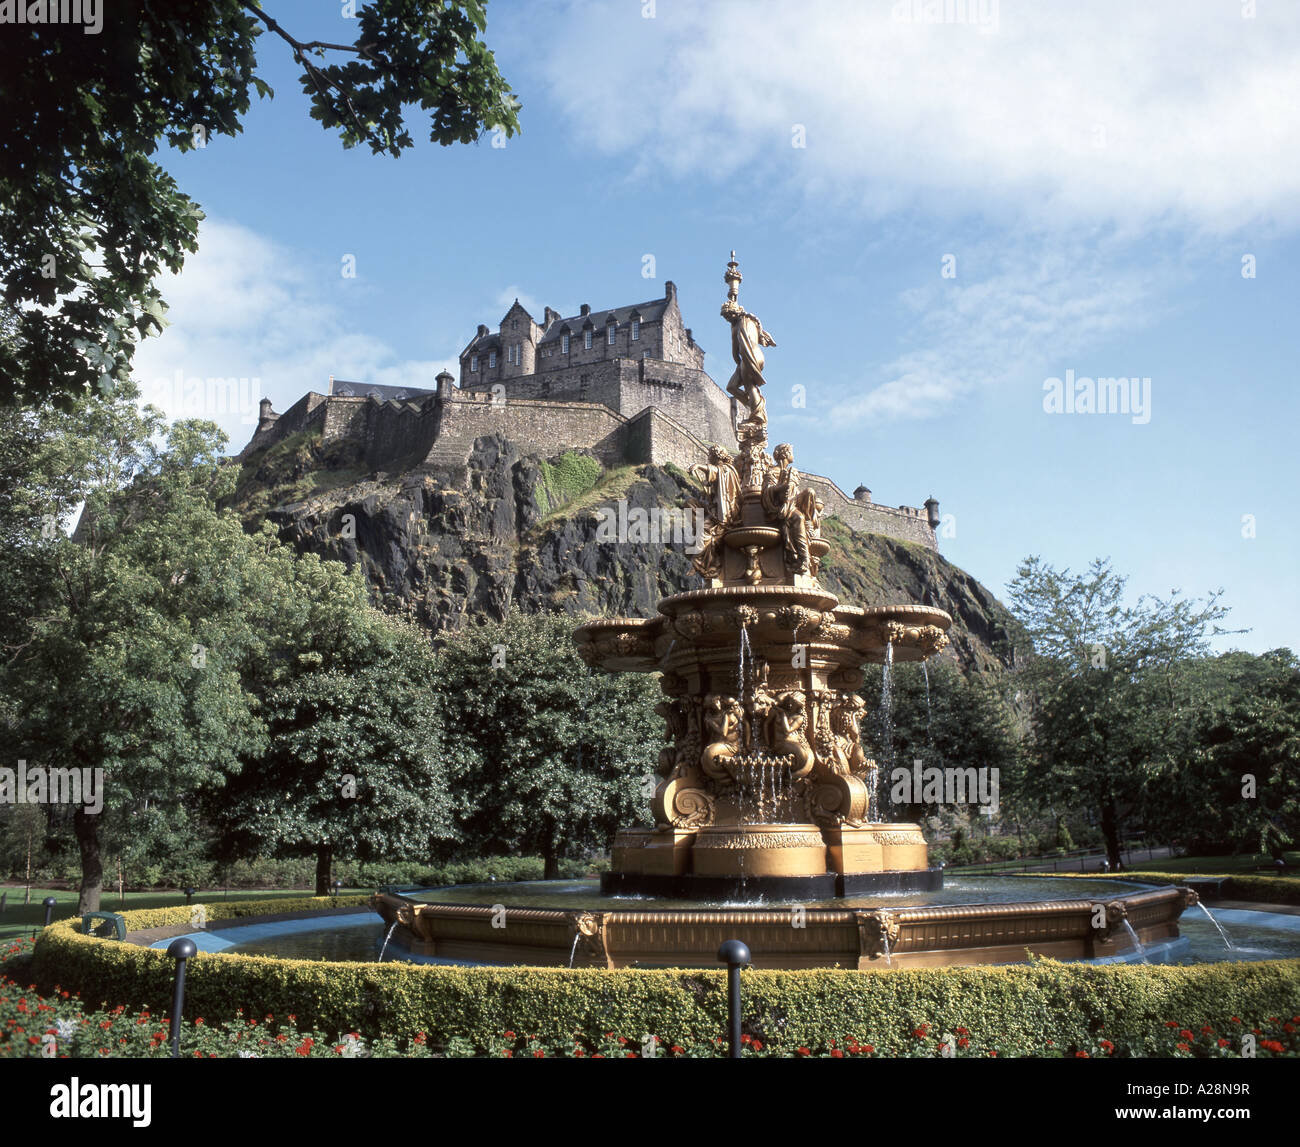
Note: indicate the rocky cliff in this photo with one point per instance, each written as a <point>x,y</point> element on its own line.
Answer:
<point>504,530</point>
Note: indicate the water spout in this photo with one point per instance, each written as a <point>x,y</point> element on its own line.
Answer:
<point>1137,942</point>
<point>573,951</point>
<point>384,946</point>
<point>1227,942</point>
<point>886,732</point>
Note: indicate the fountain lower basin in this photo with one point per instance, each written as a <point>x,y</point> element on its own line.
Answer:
<point>789,936</point>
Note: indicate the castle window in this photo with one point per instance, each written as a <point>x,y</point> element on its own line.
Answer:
<point>492,359</point>
<point>473,363</point>
<point>610,332</point>
<point>564,344</point>
<point>586,339</point>
<point>514,324</point>
<point>636,330</point>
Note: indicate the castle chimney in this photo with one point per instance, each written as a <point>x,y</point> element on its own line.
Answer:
<point>670,289</point>
<point>482,330</point>
<point>585,309</point>
<point>862,494</point>
<point>551,316</point>
<point>932,507</point>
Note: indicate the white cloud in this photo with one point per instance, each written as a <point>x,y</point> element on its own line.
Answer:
<point>1026,310</point>
<point>1128,113</point>
<point>251,320</point>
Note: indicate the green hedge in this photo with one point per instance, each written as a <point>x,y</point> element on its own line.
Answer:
<point>1011,1006</point>
<point>1260,889</point>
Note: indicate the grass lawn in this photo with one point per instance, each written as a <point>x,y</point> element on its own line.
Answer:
<point>1183,865</point>
<point>17,920</point>
<point>1246,865</point>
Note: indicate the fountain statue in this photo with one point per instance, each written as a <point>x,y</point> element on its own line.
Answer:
<point>764,787</point>
<point>765,791</point>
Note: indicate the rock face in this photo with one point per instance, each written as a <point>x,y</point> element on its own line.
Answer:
<point>505,530</point>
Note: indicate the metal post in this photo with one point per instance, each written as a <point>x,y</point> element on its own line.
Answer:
<point>49,903</point>
<point>734,954</point>
<point>189,895</point>
<point>180,950</point>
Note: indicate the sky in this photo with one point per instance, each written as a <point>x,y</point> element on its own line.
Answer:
<point>948,213</point>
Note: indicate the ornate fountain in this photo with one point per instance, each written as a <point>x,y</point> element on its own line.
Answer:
<point>764,787</point>
<point>765,790</point>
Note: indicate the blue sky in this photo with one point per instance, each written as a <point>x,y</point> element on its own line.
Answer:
<point>1097,172</point>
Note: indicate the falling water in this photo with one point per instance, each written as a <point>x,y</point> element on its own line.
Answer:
<point>1137,943</point>
<point>929,713</point>
<point>1227,942</point>
<point>664,660</point>
<point>885,938</point>
<point>886,731</point>
<point>573,951</point>
<point>384,947</point>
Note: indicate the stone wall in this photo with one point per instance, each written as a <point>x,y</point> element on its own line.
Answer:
<point>539,417</point>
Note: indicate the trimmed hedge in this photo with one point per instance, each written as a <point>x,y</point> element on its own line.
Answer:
<point>1261,889</point>
<point>1008,1005</point>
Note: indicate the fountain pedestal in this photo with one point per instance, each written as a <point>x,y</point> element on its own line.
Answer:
<point>765,788</point>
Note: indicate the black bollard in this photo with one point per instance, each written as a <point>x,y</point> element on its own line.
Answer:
<point>734,954</point>
<point>189,895</point>
<point>49,903</point>
<point>180,950</point>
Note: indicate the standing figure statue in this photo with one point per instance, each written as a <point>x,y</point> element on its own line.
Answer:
<point>799,511</point>
<point>748,338</point>
<point>721,507</point>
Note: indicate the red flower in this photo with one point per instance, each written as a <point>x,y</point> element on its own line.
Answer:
<point>198,1020</point>
<point>1271,1045</point>
<point>420,1037</point>
<point>963,1042</point>
<point>509,1035</point>
<point>1225,1042</point>
<point>962,1031</point>
<point>1082,1055</point>
<point>757,1045</point>
<point>305,1047</point>
<point>1172,1023</point>
<point>804,1051</point>
<point>868,1049</point>
<point>676,1049</point>
<point>539,1054</point>
<point>836,1053</point>
<point>1184,1047</point>
<point>1236,1019</point>
<point>1186,1034</point>
<point>508,1053</point>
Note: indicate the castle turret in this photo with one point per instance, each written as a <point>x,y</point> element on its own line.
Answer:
<point>862,494</point>
<point>266,416</point>
<point>444,381</point>
<point>932,508</point>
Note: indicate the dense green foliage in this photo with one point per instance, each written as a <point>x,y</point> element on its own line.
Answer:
<point>559,755</point>
<point>1113,691</point>
<point>89,219</point>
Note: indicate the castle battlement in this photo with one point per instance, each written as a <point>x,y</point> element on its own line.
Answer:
<point>626,384</point>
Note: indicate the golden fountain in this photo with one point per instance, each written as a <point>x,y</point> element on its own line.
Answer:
<point>765,791</point>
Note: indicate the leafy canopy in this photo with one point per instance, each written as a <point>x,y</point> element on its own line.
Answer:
<point>88,217</point>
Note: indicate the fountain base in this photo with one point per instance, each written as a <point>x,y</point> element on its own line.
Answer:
<point>768,888</point>
<point>770,861</point>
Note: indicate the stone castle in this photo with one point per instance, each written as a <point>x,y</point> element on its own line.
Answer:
<point>627,385</point>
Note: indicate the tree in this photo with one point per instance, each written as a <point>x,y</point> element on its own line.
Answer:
<point>945,720</point>
<point>1112,695</point>
<point>1240,790</point>
<point>354,763</point>
<point>90,219</point>
<point>127,656</point>
<point>561,755</point>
